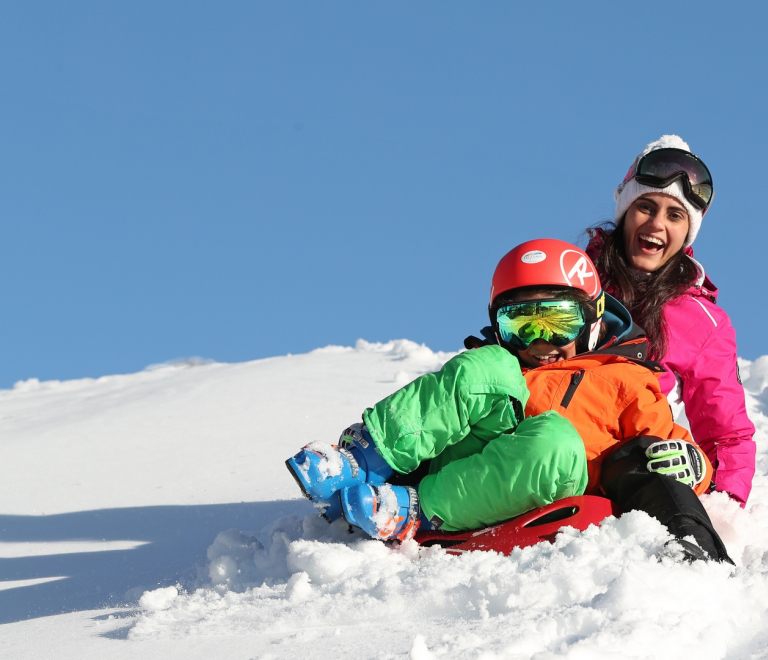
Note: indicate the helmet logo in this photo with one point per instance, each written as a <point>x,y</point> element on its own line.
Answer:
<point>581,269</point>
<point>533,257</point>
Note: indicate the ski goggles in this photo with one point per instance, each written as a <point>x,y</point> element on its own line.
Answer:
<point>660,168</point>
<point>558,322</point>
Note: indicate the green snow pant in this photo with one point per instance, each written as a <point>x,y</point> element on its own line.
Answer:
<point>487,464</point>
<point>541,462</point>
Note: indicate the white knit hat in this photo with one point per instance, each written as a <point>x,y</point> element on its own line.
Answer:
<point>628,192</point>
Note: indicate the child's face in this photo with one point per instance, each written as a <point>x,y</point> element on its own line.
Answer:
<point>541,352</point>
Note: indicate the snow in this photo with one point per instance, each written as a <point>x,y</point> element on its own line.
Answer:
<point>330,465</point>
<point>150,515</point>
<point>385,518</point>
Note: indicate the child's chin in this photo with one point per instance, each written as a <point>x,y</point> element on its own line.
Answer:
<point>541,362</point>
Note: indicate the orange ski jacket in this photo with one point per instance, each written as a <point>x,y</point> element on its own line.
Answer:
<point>610,399</point>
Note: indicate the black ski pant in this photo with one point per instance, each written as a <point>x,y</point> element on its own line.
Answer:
<point>627,481</point>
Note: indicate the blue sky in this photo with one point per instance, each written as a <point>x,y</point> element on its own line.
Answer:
<point>236,180</point>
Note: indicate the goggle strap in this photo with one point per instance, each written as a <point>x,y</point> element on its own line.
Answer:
<point>594,335</point>
<point>697,200</point>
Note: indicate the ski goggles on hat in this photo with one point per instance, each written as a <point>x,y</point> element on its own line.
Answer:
<point>660,168</point>
<point>558,322</point>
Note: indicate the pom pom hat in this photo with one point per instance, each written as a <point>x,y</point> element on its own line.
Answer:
<point>627,192</point>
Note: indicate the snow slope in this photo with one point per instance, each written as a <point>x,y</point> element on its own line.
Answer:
<point>150,515</point>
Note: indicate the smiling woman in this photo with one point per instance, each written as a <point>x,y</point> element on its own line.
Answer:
<point>646,261</point>
<point>655,228</point>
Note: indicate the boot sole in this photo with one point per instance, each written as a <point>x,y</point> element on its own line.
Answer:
<point>297,479</point>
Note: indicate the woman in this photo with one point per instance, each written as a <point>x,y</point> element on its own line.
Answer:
<point>645,260</point>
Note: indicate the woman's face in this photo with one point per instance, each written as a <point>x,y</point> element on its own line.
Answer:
<point>655,228</point>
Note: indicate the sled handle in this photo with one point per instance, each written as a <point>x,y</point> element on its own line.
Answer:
<point>557,514</point>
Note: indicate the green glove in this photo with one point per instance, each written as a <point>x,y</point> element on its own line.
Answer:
<point>677,459</point>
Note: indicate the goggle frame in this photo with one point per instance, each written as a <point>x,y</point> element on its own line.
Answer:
<point>689,187</point>
<point>588,317</point>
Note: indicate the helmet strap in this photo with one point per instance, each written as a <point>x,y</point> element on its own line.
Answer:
<point>594,334</point>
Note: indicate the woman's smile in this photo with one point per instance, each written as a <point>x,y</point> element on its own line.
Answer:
<point>651,244</point>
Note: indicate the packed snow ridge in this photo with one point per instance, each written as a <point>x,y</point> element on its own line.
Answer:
<point>277,581</point>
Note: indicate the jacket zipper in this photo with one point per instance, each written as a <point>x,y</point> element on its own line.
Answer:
<point>575,380</point>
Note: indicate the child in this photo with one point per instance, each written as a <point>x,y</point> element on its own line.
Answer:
<point>557,400</point>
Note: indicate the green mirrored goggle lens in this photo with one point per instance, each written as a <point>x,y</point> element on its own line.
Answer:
<point>558,322</point>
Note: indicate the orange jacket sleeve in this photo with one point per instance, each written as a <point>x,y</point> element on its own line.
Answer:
<point>647,413</point>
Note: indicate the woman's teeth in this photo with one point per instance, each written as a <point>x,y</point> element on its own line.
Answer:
<point>651,242</point>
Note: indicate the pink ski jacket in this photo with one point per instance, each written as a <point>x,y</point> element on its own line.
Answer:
<point>702,381</point>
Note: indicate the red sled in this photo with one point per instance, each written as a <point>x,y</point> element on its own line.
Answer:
<point>539,525</point>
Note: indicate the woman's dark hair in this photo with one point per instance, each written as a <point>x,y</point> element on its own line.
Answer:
<point>645,294</point>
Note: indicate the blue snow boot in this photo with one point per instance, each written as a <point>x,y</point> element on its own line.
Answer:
<point>383,511</point>
<point>322,469</point>
<point>329,509</point>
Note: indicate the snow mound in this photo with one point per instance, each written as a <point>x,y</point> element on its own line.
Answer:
<point>159,599</point>
<point>613,591</point>
<point>195,419</point>
<point>184,362</point>
<point>420,358</point>
<point>754,376</point>
<point>404,349</point>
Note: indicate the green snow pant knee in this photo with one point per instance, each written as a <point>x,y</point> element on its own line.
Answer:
<point>541,462</point>
<point>480,393</point>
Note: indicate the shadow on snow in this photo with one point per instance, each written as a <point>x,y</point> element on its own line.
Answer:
<point>176,537</point>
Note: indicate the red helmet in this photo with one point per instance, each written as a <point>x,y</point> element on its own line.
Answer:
<point>546,262</point>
